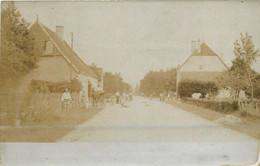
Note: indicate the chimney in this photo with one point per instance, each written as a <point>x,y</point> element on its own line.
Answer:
<point>193,46</point>
<point>198,45</point>
<point>59,31</point>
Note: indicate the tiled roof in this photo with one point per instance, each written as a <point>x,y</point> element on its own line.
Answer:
<point>204,51</point>
<point>70,54</point>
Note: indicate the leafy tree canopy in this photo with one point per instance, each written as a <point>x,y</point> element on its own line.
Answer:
<point>18,55</point>
<point>241,76</point>
<point>114,83</point>
<point>156,82</point>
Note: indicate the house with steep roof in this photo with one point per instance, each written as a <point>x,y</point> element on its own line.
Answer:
<point>58,61</point>
<point>203,64</point>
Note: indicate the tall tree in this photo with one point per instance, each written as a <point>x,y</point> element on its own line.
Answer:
<point>156,82</point>
<point>97,70</point>
<point>18,55</point>
<point>114,83</point>
<point>246,55</point>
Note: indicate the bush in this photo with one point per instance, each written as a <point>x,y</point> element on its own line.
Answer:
<point>37,108</point>
<point>220,106</point>
<point>187,87</point>
<point>55,87</point>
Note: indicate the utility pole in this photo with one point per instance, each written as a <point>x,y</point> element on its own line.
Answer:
<point>71,43</point>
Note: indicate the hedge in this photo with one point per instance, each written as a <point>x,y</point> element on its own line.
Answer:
<point>187,87</point>
<point>220,106</point>
<point>55,87</point>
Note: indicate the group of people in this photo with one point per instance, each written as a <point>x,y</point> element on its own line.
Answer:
<point>123,98</point>
<point>162,96</point>
<point>165,96</point>
<point>83,98</point>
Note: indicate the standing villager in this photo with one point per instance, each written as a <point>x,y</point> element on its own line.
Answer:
<point>151,96</point>
<point>66,100</point>
<point>127,99</point>
<point>117,97</point>
<point>130,96</point>
<point>82,98</point>
<point>94,98</point>
<point>169,96</point>
<point>123,99</point>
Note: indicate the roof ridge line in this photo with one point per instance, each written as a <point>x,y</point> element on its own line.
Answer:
<point>216,55</point>
<point>79,65</point>
<point>208,48</point>
<point>78,56</point>
<point>222,61</point>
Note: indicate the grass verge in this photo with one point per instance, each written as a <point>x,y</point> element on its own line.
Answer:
<point>48,131</point>
<point>250,124</point>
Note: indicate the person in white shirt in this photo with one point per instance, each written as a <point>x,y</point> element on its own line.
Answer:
<point>65,98</point>
<point>169,96</point>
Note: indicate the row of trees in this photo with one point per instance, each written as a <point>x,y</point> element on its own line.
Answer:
<point>114,83</point>
<point>18,55</point>
<point>156,82</point>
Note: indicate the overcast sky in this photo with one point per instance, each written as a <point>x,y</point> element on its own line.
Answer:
<point>135,37</point>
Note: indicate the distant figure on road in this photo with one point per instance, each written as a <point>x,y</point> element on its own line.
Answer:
<point>66,100</point>
<point>151,96</point>
<point>125,99</point>
<point>130,96</point>
<point>169,96</point>
<point>161,97</point>
<point>94,98</point>
<point>117,97</point>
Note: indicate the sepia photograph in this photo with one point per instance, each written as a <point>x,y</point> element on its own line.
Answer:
<point>130,83</point>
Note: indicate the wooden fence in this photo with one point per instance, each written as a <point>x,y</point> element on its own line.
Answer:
<point>16,106</point>
<point>23,106</point>
<point>250,107</point>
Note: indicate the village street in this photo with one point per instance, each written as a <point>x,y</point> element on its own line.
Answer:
<point>148,120</point>
<point>169,129</point>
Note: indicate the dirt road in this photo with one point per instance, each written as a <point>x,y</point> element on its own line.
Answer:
<point>145,133</point>
<point>154,133</point>
<point>151,121</point>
